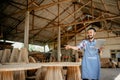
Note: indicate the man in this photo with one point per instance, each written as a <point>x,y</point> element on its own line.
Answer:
<point>90,61</point>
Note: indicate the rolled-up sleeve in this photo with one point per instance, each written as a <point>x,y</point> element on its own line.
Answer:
<point>82,45</point>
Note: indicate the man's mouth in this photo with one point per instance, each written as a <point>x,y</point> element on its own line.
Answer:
<point>90,36</point>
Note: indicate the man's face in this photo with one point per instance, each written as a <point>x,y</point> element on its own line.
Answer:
<point>90,34</point>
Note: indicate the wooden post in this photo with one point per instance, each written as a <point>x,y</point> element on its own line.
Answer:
<point>59,44</point>
<point>59,37</point>
<point>75,29</point>
<point>26,33</point>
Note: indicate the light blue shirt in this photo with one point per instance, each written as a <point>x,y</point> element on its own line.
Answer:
<point>90,61</point>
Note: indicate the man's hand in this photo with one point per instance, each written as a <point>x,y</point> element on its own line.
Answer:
<point>101,50</point>
<point>67,47</point>
<point>70,47</point>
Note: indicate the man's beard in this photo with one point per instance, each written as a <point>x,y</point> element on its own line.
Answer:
<point>90,37</point>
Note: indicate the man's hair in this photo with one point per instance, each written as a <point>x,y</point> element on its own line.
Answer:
<point>92,29</point>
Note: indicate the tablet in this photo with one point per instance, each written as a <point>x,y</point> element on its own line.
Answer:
<point>100,43</point>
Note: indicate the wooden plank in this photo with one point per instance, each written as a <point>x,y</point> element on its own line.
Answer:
<point>50,22</point>
<point>73,73</point>
<point>6,56</point>
<point>29,66</point>
<point>67,17</point>
<point>14,55</point>
<point>23,57</point>
<point>8,75</point>
<point>1,54</point>
<point>41,7</point>
<point>41,72</point>
<point>26,32</point>
<point>53,73</point>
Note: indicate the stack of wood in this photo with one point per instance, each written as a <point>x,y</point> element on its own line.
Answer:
<point>19,57</point>
<point>10,58</point>
<point>40,74</point>
<point>54,73</point>
<point>38,56</point>
<point>5,59</point>
<point>73,73</point>
<point>105,62</point>
<point>1,53</point>
<point>6,56</point>
<point>31,73</point>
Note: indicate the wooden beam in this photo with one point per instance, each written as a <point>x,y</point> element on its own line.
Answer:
<point>92,21</point>
<point>75,23</point>
<point>104,5</point>
<point>26,33</point>
<point>92,12</point>
<point>78,29</point>
<point>100,10</point>
<point>50,22</point>
<point>45,19</point>
<point>15,6</point>
<point>48,5</point>
<point>59,36</point>
<point>5,15</point>
<point>63,8</point>
<point>118,5</point>
<point>41,6</point>
<point>20,4</point>
<point>12,28</point>
<point>50,12</point>
<point>33,19</point>
<point>74,12</point>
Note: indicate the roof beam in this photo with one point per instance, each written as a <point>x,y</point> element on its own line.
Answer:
<point>42,6</point>
<point>20,4</point>
<point>62,7</point>
<point>92,21</point>
<point>15,6</point>
<point>74,12</point>
<point>118,5</point>
<point>81,22</point>
<point>44,18</point>
<point>50,22</point>
<point>98,9</point>
<point>5,15</point>
<point>9,30</point>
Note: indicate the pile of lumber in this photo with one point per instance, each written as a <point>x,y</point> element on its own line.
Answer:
<point>38,56</point>
<point>105,62</point>
<point>13,56</point>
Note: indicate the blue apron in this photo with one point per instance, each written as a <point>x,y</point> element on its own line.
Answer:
<point>90,61</point>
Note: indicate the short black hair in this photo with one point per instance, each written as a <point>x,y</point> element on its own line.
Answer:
<point>92,29</point>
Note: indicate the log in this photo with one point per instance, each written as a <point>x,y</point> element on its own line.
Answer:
<point>23,57</point>
<point>1,53</point>
<point>20,57</point>
<point>7,75</point>
<point>6,56</point>
<point>73,73</point>
<point>31,72</point>
<point>40,74</point>
<point>14,56</point>
<point>53,73</point>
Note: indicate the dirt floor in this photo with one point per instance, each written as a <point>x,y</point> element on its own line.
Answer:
<point>110,73</point>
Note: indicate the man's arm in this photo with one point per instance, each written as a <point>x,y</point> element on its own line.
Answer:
<point>71,47</point>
